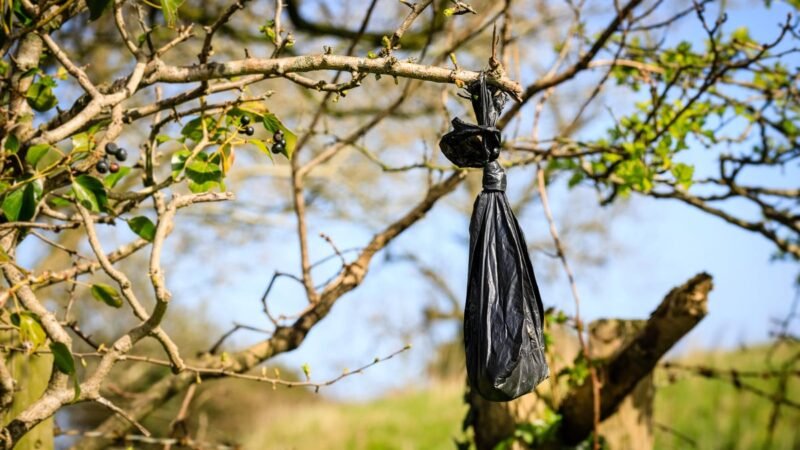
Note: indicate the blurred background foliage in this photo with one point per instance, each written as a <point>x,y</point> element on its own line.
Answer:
<point>628,140</point>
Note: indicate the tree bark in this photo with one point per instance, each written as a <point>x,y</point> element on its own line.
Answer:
<point>632,425</point>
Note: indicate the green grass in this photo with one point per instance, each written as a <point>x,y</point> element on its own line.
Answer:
<point>428,419</point>
<point>711,414</point>
<point>716,415</point>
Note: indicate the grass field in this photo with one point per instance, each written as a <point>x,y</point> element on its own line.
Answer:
<point>691,412</point>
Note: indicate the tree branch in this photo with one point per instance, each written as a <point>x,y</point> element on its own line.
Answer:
<point>299,64</point>
<point>682,308</point>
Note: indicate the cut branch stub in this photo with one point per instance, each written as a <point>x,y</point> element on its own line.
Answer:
<point>677,314</point>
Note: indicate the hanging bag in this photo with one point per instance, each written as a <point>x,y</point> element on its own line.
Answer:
<point>503,314</point>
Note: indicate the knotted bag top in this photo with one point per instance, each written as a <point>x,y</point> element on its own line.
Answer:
<point>470,145</point>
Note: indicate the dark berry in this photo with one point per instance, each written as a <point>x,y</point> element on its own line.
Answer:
<point>121,155</point>
<point>278,136</point>
<point>113,167</point>
<point>282,142</point>
<point>278,148</point>
<point>249,131</point>
<point>101,166</point>
<point>245,120</point>
<point>112,148</point>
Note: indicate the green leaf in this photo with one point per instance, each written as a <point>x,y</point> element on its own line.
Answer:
<point>178,162</point>
<point>269,31</point>
<point>90,192</point>
<point>12,144</point>
<point>76,387</point>
<point>203,173</point>
<point>234,116</point>
<point>170,10</point>
<point>194,128</point>
<point>21,203</point>
<point>741,34</point>
<point>40,94</point>
<point>161,138</point>
<point>59,202</point>
<point>35,153</point>
<point>106,294</point>
<point>112,179</point>
<point>144,227</point>
<point>262,147</point>
<point>81,142</point>
<point>63,358</point>
<point>201,168</point>
<point>19,13</point>
<point>683,174</point>
<point>273,124</point>
<point>575,179</point>
<point>12,205</point>
<point>96,8</point>
<point>205,186</point>
<point>30,330</point>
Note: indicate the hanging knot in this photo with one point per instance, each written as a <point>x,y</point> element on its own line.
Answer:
<point>470,145</point>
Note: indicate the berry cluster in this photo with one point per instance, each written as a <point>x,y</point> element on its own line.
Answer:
<point>246,128</point>
<point>279,142</point>
<point>119,153</point>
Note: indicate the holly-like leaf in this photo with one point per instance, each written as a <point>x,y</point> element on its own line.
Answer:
<point>107,294</point>
<point>90,192</point>
<point>143,227</point>
<point>63,358</point>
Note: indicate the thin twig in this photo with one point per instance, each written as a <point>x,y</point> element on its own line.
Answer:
<point>596,386</point>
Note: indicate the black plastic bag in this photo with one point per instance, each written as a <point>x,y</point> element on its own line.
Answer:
<point>504,313</point>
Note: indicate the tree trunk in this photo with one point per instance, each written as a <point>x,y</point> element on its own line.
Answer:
<point>632,425</point>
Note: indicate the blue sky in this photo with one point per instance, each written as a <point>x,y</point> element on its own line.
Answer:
<point>663,243</point>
